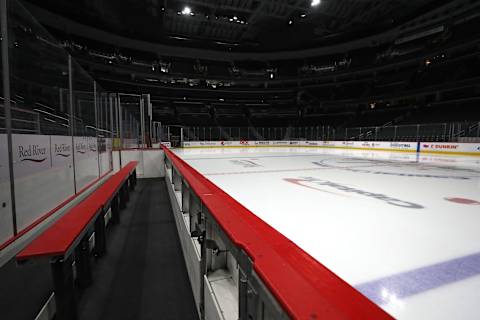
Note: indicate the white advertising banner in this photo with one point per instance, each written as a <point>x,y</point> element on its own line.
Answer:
<point>92,146</point>
<point>86,160</point>
<point>31,154</point>
<point>80,147</point>
<point>61,150</point>
<point>445,147</point>
<point>425,147</point>
<point>382,145</point>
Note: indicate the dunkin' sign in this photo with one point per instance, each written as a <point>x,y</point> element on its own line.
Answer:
<point>473,148</point>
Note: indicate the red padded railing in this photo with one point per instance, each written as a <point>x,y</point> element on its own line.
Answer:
<point>59,237</point>
<point>304,287</point>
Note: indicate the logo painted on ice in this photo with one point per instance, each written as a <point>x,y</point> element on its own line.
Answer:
<point>321,185</point>
<point>245,163</point>
<point>463,201</point>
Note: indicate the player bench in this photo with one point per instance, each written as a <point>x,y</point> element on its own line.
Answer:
<point>67,241</point>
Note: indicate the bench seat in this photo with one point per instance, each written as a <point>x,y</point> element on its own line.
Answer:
<point>59,238</point>
<point>66,241</point>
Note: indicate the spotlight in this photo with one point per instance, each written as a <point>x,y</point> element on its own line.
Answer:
<point>315,3</point>
<point>186,11</point>
<point>303,15</point>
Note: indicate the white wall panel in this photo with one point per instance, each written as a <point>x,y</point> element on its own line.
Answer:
<point>6,223</point>
<point>104,154</point>
<point>153,163</point>
<point>116,161</point>
<point>133,155</point>
<point>34,181</point>
<point>86,160</point>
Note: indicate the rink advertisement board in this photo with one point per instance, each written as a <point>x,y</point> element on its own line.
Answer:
<point>31,154</point>
<point>423,147</point>
<point>366,145</point>
<point>61,150</point>
<point>452,148</point>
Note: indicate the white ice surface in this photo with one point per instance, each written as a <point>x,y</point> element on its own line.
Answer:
<point>365,215</point>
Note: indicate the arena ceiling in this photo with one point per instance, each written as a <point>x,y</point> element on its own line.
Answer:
<point>242,25</point>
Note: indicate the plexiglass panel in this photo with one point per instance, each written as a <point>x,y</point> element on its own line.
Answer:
<point>55,140</point>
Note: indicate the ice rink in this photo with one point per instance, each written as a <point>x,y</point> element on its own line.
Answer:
<point>402,228</point>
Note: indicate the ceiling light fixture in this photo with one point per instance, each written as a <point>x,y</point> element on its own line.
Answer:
<point>186,11</point>
<point>303,15</point>
<point>315,3</point>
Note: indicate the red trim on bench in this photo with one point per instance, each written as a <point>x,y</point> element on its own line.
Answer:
<point>57,239</point>
<point>51,212</point>
<point>305,288</point>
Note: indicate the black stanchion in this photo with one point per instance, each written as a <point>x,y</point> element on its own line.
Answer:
<point>82,263</point>
<point>115,207</point>
<point>123,200</point>
<point>62,275</point>
<point>100,235</point>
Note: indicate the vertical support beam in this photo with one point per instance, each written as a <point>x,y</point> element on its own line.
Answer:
<point>82,263</point>
<point>95,105</point>
<point>111,130</point>
<point>142,120</point>
<point>60,99</point>
<point>110,102</point>
<point>149,118</point>
<point>185,198</point>
<point>100,235</point>
<point>123,200</point>
<point>132,181</point>
<point>8,112</point>
<point>126,190</point>
<point>72,118</point>
<point>134,178</point>
<point>115,207</point>
<point>203,268</point>
<point>62,275</point>
<point>177,181</point>
<point>242,296</point>
<point>120,128</point>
